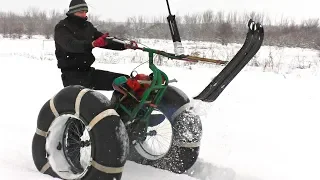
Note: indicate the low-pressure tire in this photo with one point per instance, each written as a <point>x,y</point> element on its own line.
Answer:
<point>108,137</point>
<point>186,127</point>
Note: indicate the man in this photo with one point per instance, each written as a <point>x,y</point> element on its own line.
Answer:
<point>75,37</point>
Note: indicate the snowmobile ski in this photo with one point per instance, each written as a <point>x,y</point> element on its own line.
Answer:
<point>250,47</point>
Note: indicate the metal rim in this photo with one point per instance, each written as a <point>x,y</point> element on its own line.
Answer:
<point>57,147</point>
<point>158,141</point>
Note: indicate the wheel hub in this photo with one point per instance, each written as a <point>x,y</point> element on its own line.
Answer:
<point>85,143</point>
<point>152,133</point>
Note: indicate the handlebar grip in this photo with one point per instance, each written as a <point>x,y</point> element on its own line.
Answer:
<point>115,40</point>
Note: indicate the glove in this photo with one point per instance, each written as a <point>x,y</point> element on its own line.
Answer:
<point>131,45</point>
<point>101,41</point>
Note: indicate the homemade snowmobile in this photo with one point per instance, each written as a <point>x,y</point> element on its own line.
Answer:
<point>81,134</point>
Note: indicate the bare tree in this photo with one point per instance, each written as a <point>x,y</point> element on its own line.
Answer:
<point>94,19</point>
<point>207,25</point>
<point>219,18</point>
<point>192,28</point>
<point>310,24</point>
<point>224,32</point>
<point>119,31</point>
<point>29,22</point>
<point>13,25</point>
<point>4,24</point>
<point>50,23</point>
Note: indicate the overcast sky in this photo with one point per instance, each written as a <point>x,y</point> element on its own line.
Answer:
<point>119,10</point>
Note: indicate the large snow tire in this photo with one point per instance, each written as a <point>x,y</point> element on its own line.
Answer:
<point>108,136</point>
<point>186,130</point>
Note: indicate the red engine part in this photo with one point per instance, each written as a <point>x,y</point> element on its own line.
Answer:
<point>133,84</point>
<point>139,83</point>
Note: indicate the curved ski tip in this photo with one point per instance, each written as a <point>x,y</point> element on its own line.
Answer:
<point>260,28</point>
<point>251,24</point>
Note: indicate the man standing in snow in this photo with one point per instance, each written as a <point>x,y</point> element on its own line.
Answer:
<point>75,37</point>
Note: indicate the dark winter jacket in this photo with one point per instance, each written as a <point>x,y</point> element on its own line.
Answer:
<point>73,37</point>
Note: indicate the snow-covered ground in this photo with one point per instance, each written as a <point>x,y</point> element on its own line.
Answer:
<point>264,126</point>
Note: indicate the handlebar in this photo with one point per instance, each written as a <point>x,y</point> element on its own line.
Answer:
<point>109,38</point>
<point>170,55</point>
<point>155,51</point>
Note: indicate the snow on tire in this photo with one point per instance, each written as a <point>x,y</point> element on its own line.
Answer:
<point>186,135</point>
<point>109,142</point>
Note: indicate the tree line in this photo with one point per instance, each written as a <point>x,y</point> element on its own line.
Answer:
<point>205,26</point>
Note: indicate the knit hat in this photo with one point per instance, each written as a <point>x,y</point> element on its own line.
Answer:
<point>77,5</point>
